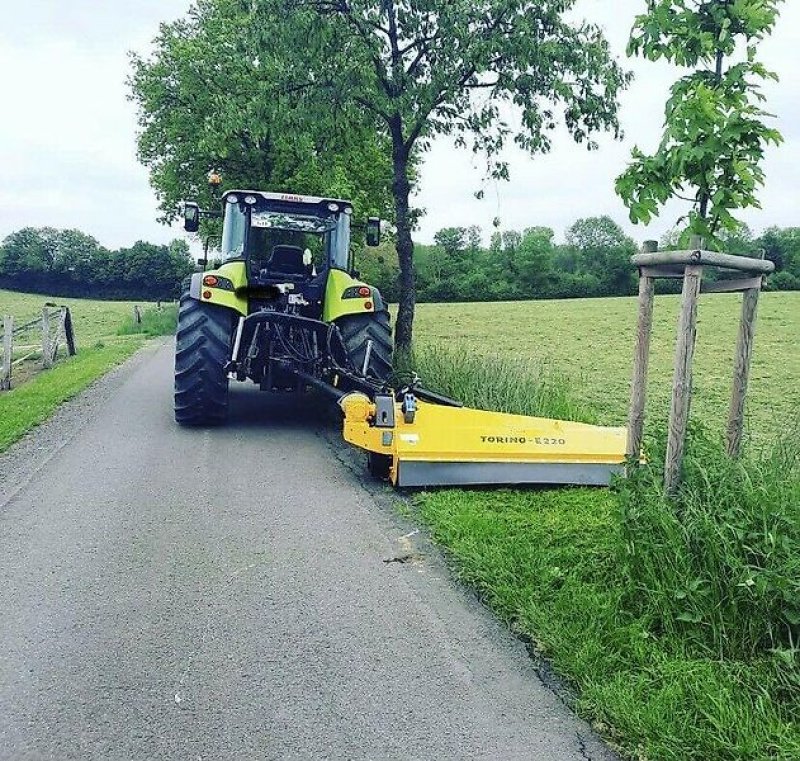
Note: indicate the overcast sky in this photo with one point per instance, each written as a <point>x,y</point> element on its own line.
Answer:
<point>67,132</point>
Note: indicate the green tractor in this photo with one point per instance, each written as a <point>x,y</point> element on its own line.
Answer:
<point>285,308</point>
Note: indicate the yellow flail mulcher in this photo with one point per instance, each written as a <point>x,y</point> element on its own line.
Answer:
<point>428,440</point>
<point>415,437</point>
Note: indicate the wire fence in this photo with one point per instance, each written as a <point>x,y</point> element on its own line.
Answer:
<point>40,339</point>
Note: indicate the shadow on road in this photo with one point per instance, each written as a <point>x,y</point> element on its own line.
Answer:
<point>250,408</point>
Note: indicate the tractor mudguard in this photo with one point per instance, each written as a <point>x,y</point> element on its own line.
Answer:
<point>221,286</point>
<point>344,295</point>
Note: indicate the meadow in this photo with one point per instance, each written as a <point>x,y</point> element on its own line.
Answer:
<point>591,342</point>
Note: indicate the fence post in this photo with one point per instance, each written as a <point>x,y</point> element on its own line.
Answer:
<point>47,357</point>
<point>69,332</point>
<point>741,372</point>
<point>8,345</point>
<point>137,315</point>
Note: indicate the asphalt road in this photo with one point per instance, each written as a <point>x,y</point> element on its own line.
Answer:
<point>188,594</point>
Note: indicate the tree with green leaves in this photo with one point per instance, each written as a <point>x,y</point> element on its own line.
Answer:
<point>206,100</point>
<point>423,68</point>
<point>535,259</point>
<point>603,250</point>
<point>715,132</point>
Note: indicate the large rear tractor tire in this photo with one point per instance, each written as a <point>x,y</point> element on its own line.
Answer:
<point>357,330</point>
<point>202,349</point>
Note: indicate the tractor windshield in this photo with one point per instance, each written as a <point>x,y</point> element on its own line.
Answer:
<point>254,233</point>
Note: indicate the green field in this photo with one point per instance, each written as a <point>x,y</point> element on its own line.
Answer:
<point>591,340</point>
<point>36,395</point>
<point>93,320</point>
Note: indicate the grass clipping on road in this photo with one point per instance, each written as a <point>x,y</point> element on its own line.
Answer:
<point>32,402</point>
<point>677,621</point>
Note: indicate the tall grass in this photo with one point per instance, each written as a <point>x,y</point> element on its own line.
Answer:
<point>718,566</point>
<point>155,322</point>
<point>496,383</point>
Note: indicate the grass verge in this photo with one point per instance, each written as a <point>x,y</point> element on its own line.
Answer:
<point>29,404</point>
<point>676,621</point>
<point>34,400</point>
<point>155,322</point>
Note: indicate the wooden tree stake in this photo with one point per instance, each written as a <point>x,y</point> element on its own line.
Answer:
<point>682,381</point>
<point>641,359</point>
<point>741,372</point>
<point>653,264</point>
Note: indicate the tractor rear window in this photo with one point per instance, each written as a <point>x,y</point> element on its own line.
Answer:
<point>293,222</point>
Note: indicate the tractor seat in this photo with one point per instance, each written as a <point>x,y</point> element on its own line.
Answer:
<point>287,260</point>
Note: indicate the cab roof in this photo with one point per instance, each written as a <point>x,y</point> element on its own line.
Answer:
<point>288,197</point>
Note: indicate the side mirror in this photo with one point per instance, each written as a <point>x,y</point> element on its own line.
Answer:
<point>202,261</point>
<point>373,231</point>
<point>191,217</point>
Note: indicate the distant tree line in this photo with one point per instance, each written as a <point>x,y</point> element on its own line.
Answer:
<point>594,261</point>
<point>71,263</point>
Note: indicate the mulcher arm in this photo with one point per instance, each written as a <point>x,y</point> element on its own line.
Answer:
<point>432,444</point>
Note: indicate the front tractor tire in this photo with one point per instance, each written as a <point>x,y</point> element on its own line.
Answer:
<point>201,352</point>
<point>357,330</point>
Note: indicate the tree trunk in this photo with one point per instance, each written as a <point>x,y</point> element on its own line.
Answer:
<point>401,190</point>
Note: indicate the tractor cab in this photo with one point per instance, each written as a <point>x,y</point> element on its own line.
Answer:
<point>286,238</point>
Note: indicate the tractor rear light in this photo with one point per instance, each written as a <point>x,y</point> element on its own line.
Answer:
<point>210,280</point>
<point>367,305</point>
<point>364,291</point>
<point>206,294</point>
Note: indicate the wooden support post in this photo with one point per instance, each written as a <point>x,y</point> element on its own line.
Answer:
<point>137,315</point>
<point>47,357</point>
<point>69,333</point>
<point>682,381</point>
<point>641,359</point>
<point>741,371</point>
<point>55,344</point>
<point>8,345</point>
